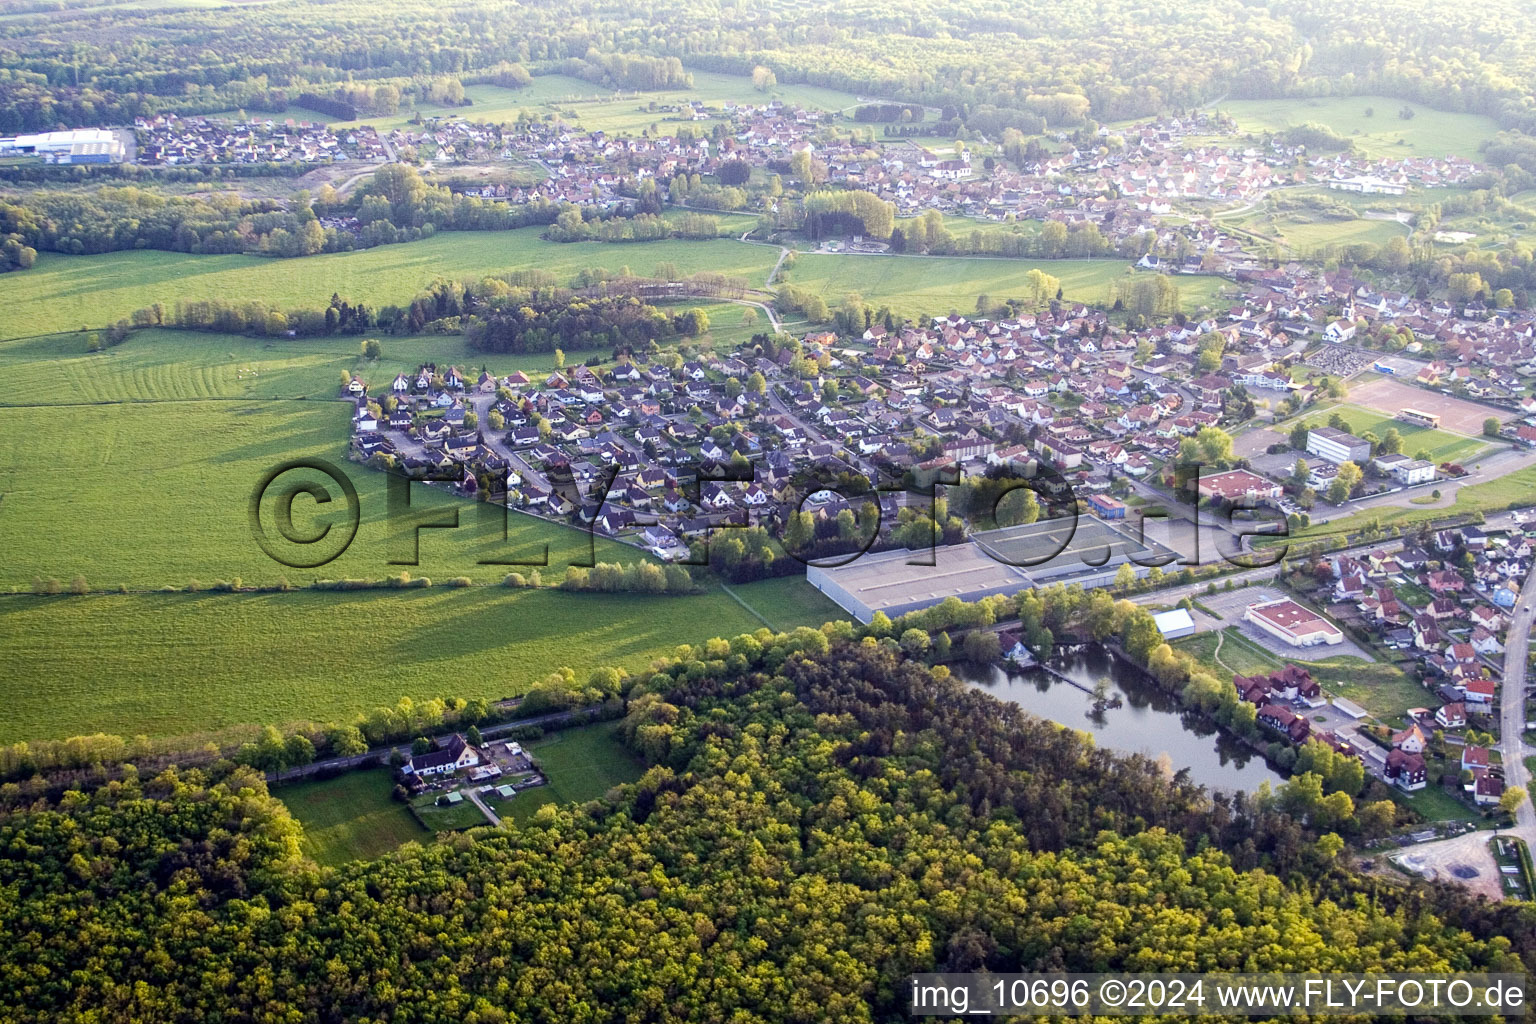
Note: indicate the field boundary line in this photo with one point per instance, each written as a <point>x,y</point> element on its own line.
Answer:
<point>752,611</point>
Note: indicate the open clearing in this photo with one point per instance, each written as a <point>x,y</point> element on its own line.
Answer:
<point>350,817</point>
<point>934,285</point>
<point>1383,689</point>
<point>157,365</point>
<point>581,764</point>
<point>1457,415</point>
<point>153,495</point>
<point>1317,235</point>
<point>174,664</point>
<point>1384,134</point>
<point>62,293</point>
<point>599,108</point>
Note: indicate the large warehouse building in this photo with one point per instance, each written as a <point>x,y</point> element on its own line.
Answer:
<point>78,146</point>
<point>995,562</point>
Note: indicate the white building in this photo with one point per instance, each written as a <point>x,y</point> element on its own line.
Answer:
<point>1174,624</point>
<point>1414,471</point>
<point>1336,446</point>
<point>1296,624</point>
<point>77,146</point>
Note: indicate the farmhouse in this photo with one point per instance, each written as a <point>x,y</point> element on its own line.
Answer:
<point>1295,624</point>
<point>448,758</point>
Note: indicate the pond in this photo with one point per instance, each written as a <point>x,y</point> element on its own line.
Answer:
<point>1148,722</point>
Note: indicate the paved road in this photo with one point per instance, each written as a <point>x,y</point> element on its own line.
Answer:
<point>1512,744</point>
<point>474,798</point>
<point>1488,468</point>
<point>1472,849</point>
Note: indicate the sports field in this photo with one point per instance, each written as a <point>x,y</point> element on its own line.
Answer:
<point>1442,445</point>
<point>1457,415</point>
<point>1383,134</point>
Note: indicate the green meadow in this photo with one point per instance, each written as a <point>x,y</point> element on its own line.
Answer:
<point>1442,445</point>
<point>599,108</point>
<point>175,664</point>
<point>146,496</point>
<point>1383,689</point>
<point>62,293</point>
<point>1311,236</point>
<point>1429,133</point>
<point>581,764</point>
<point>350,817</point>
<point>914,285</point>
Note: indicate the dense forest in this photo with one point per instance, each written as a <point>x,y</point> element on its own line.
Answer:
<point>1109,60</point>
<point>822,818</point>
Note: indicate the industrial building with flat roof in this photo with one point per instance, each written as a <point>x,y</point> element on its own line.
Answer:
<point>76,146</point>
<point>1083,550</point>
<point>1294,623</point>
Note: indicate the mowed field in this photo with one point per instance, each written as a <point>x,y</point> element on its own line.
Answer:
<point>155,365</point>
<point>916,285</point>
<point>147,496</point>
<point>350,817</point>
<point>1457,415</point>
<point>581,764</point>
<point>63,293</point>
<point>1317,235</point>
<point>1442,445</point>
<point>1429,133</point>
<point>174,664</point>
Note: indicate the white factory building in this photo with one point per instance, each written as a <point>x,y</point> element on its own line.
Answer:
<point>77,146</point>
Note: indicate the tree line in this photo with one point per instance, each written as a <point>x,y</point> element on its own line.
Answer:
<point>884,819</point>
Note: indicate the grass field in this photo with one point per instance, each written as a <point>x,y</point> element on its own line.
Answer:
<point>350,817</point>
<point>1312,236</point>
<point>914,285</point>
<point>598,108</point>
<point>1442,445</point>
<point>156,365</point>
<point>581,764</point>
<point>62,293</point>
<point>447,817</point>
<point>1518,487</point>
<point>173,664</point>
<point>154,495</point>
<point>787,601</point>
<point>1381,688</point>
<point>1429,133</point>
